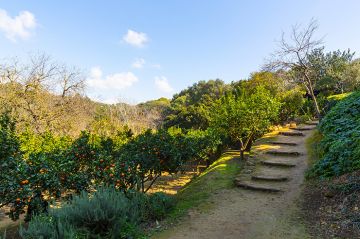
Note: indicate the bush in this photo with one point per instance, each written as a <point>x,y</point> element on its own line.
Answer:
<point>46,227</point>
<point>160,205</point>
<point>103,213</point>
<point>330,101</point>
<point>106,213</point>
<point>40,168</point>
<point>292,101</point>
<point>340,145</point>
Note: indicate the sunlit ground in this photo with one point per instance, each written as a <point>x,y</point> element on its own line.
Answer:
<point>171,184</point>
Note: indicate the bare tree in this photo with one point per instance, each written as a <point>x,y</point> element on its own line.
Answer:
<point>292,56</point>
<point>42,93</point>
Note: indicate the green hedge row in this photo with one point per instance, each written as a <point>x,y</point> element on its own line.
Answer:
<point>340,145</point>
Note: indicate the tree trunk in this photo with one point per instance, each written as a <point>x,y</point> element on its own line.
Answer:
<point>249,145</point>
<point>242,155</point>
<point>317,109</point>
<point>312,94</point>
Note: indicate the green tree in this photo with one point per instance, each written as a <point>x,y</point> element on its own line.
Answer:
<point>292,57</point>
<point>330,69</point>
<point>243,117</point>
<point>190,108</point>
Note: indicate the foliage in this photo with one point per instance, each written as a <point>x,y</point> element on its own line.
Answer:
<point>313,147</point>
<point>243,117</point>
<point>160,205</point>
<point>60,166</point>
<point>292,104</point>
<point>341,143</point>
<point>331,71</point>
<point>100,213</point>
<point>291,96</point>
<point>332,100</point>
<point>46,227</point>
<point>12,167</point>
<point>153,153</point>
<point>105,213</point>
<point>218,176</point>
<point>190,108</point>
<point>271,81</point>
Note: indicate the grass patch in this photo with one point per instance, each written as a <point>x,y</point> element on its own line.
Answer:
<point>313,148</point>
<point>220,175</point>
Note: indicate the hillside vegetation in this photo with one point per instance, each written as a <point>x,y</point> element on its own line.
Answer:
<point>332,192</point>
<point>339,147</point>
<point>60,148</point>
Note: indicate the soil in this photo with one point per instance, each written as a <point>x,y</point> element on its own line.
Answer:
<point>241,213</point>
<point>332,207</point>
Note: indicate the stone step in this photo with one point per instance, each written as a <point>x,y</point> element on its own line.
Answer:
<point>303,128</point>
<point>291,133</point>
<point>278,163</point>
<point>275,178</point>
<point>256,187</point>
<point>283,153</point>
<point>284,143</point>
<point>312,122</point>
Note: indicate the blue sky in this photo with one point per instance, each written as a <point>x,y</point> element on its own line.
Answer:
<point>140,50</point>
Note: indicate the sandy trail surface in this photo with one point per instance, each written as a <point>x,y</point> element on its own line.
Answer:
<point>243,213</point>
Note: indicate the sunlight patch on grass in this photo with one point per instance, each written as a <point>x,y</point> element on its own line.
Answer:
<point>312,146</point>
<point>219,175</point>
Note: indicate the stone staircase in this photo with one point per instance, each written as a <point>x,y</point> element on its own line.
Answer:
<point>272,169</point>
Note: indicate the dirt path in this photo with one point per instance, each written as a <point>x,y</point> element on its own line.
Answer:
<point>252,212</point>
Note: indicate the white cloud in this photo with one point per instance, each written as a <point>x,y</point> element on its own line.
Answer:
<point>117,81</point>
<point>138,63</point>
<point>134,38</point>
<point>163,85</point>
<point>95,72</point>
<point>20,26</point>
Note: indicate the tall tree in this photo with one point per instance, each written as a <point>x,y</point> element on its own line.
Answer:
<point>292,56</point>
<point>43,94</point>
<point>190,108</point>
<point>331,69</point>
<point>244,116</point>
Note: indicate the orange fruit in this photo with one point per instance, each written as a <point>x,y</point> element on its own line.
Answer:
<point>24,182</point>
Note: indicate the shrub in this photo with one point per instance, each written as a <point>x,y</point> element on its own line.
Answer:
<point>341,139</point>
<point>330,101</point>
<point>47,227</point>
<point>160,205</point>
<point>102,213</point>
<point>105,213</point>
<point>147,156</point>
<point>292,103</point>
<point>43,167</point>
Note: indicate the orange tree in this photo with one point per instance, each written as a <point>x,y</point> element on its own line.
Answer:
<point>57,168</point>
<point>151,154</point>
<point>11,167</point>
<point>244,116</point>
<point>33,176</point>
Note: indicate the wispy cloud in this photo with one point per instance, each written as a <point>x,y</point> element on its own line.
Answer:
<point>137,39</point>
<point>157,66</point>
<point>138,63</point>
<point>163,84</point>
<point>18,27</point>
